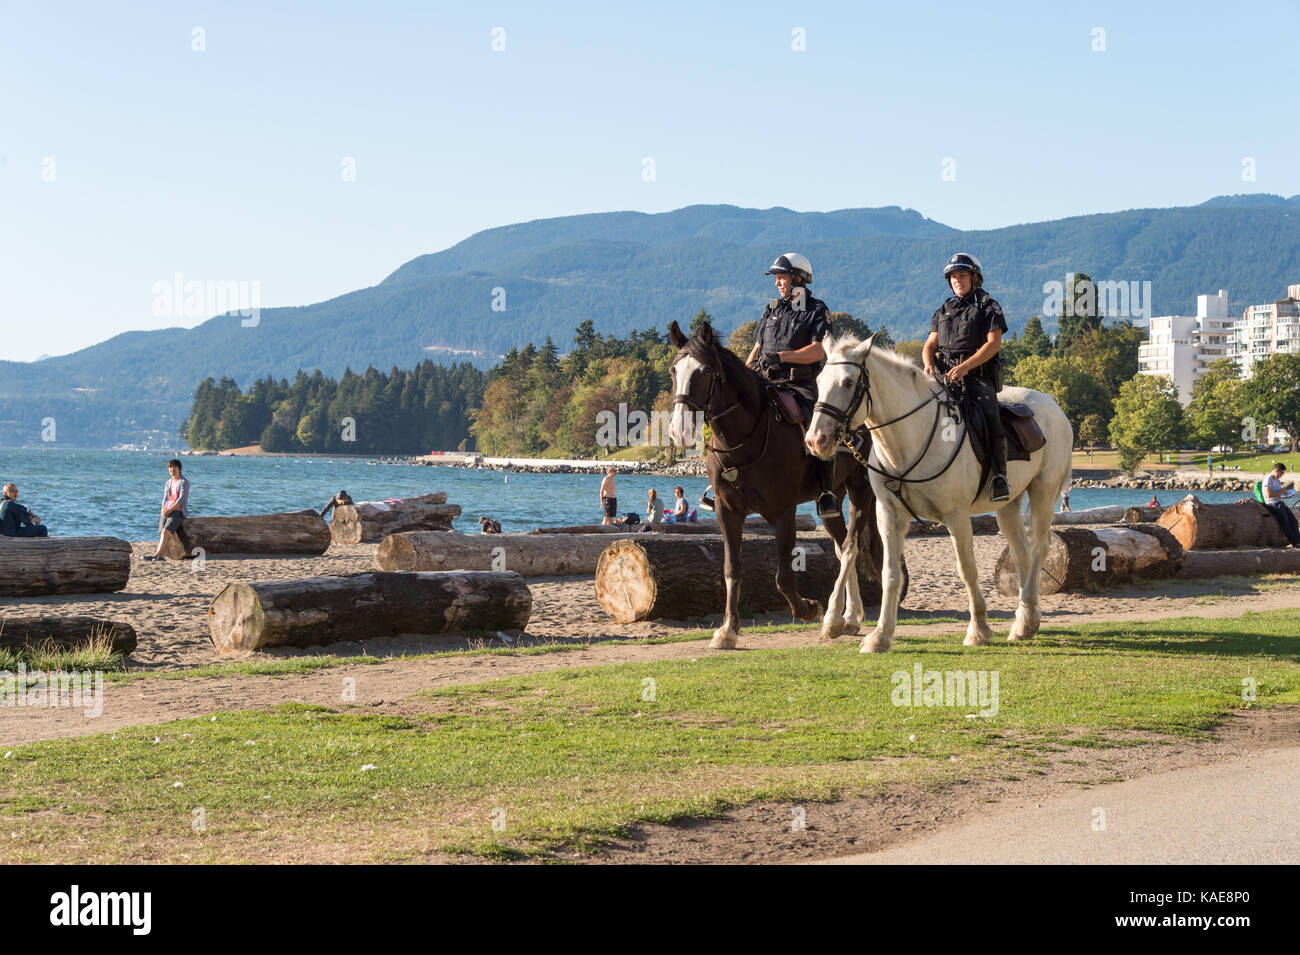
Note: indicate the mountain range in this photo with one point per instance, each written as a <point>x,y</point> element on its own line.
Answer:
<point>626,270</point>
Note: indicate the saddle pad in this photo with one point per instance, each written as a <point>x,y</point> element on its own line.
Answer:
<point>789,409</point>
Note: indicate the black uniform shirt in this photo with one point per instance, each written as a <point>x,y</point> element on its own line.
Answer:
<point>964,324</point>
<point>785,327</point>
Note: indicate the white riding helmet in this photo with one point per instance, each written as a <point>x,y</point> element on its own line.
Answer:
<point>792,263</point>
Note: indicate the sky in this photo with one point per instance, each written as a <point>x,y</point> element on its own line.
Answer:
<point>313,148</point>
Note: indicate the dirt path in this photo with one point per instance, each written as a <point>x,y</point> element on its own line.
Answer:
<point>385,685</point>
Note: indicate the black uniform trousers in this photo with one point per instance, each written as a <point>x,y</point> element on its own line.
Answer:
<point>985,395</point>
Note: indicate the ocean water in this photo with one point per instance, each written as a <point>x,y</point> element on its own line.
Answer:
<point>119,493</point>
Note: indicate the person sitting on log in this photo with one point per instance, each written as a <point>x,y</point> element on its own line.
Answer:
<point>16,520</point>
<point>341,499</point>
<point>488,526</point>
<point>176,499</point>
<point>1274,501</point>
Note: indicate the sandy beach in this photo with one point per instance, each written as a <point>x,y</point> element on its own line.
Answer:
<point>167,603</point>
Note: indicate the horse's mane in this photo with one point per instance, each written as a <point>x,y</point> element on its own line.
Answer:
<point>887,354</point>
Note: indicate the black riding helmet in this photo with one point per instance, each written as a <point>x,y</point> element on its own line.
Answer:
<point>965,262</point>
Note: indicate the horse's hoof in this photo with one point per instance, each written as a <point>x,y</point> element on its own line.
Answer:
<point>978,638</point>
<point>722,640</point>
<point>852,629</point>
<point>815,610</point>
<point>875,643</point>
<point>1018,637</point>
<point>831,629</point>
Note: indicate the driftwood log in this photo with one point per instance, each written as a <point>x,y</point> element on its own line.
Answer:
<point>66,633</point>
<point>1241,561</point>
<point>1142,515</point>
<point>1110,514</point>
<point>530,555</point>
<point>369,521</point>
<point>319,610</point>
<point>753,525</point>
<point>30,567</point>
<point>1089,559</point>
<point>1201,526</point>
<point>648,577</point>
<point>979,524</point>
<point>293,532</point>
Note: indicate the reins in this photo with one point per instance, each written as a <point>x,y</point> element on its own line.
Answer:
<point>943,398</point>
<point>731,472</point>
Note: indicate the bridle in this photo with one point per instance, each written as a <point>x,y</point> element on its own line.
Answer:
<point>716,376</point>
<point>943,399</point>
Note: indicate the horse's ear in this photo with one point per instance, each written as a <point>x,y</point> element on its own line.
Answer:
<point>864,349</point>
<point>706,333</point>
<point>675,335</point>
<point>828,343</point>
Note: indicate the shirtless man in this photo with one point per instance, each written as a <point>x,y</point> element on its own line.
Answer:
<point>609,497</point>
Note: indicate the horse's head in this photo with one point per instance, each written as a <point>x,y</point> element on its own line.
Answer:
<point>699,375</point>
<point>843,393</point>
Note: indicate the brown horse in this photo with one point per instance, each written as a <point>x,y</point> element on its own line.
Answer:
<point>757,464</point>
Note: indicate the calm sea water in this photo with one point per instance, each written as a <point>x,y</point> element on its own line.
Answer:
<point>118,493</point>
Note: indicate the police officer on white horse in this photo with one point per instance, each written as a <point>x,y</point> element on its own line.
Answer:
<point>788,349</point>
<point>964,341</point>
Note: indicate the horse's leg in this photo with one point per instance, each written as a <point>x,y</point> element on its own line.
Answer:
<point>1012,524</point>
<point>725,637</point>
<point>891,519</point>
<point>854,612</point>
<point>783,530</point>
<point>1042,497</point>
<point>833,620</point>
<point>963,542</point>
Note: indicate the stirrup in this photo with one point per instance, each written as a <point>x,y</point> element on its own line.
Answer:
<point>827,506</point>
<point>706,502</point>
<point>994,494</point>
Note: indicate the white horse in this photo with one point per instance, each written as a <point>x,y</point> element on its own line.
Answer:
<point>939,476</point>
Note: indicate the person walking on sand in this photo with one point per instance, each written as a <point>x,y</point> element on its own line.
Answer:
<point>176,498</point>
<point>653,511</point>
<point>1274,500</point>
<point>609,497</point>
<point>1065,497</point>
<point>16,520</point>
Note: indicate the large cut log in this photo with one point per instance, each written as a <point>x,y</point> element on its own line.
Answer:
<point>369,521</point>
<point>1142,515</point>
<point>753,525</point>
<point>531,555</point>
<point>1090,559</point>
<point>648,577</point>
<point>293,532</point>
<point>319,610</point>
<point>1201,526</point>
<point>1243,561</point>
<point>1110,514</point>
<point>30,567</point>
<point>979,524</point>
<point>66,633</point>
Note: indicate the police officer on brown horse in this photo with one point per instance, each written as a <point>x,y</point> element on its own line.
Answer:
<point>964,341</point>
<point>788,349</point>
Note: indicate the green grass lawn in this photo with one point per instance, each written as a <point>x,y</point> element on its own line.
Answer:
<point>566,757</point>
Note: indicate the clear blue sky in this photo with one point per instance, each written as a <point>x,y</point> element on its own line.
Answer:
<point>226,164</point>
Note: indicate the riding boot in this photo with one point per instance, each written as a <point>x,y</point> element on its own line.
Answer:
<point>827,505</point>
<point>998,489</point>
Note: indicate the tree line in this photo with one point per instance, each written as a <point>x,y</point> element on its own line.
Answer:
<point>402,412</point>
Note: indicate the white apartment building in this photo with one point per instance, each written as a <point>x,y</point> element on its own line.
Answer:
<point>1181,347</point>
<point>1265,330</point>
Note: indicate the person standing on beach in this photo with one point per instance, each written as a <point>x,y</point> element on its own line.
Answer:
<point>1274,500</point>
<point>16,520</point>
<point>1065,497</point>
<point>176,498</point>
<point>609,497</point>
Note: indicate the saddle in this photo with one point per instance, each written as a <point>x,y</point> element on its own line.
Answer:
<point>1023,434</point>
<point>787,408</point>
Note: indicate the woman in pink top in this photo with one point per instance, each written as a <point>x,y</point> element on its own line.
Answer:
<point>176,497</point>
